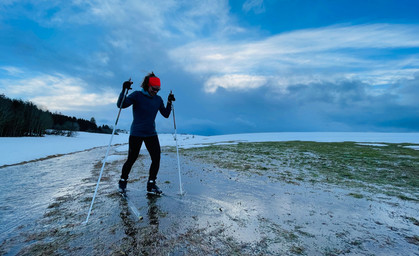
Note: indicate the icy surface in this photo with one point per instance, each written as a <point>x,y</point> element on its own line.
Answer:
<point>222,210</point>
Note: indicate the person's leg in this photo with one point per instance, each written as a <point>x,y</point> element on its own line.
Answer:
<point>133,151</point>
<point>153,146</point>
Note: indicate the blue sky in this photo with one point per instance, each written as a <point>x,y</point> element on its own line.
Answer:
<point>234,66</point>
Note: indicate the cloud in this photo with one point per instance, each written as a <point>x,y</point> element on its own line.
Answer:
<point>254,5</point>
<point>167,18</point>
<point>234,82</point>
<point>109,37</point>
<point>358,52</point>
<point>13,71</point>
<point>57,92</point>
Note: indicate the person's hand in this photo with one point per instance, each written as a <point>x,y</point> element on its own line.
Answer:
<point>171,97</point>
<point>127,85</point>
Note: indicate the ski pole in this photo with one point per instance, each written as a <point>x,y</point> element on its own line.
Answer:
<point>177,149</point>
<point>106,156</point>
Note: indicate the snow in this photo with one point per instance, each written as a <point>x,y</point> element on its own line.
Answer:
<point>21,149</point>
<point>17,150</point>
<point>372,144</point>
<point>187,141</point>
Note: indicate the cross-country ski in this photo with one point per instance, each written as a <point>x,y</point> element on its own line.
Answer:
<point>131,206</point>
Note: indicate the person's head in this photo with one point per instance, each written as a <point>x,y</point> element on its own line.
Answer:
<point>151,84</point>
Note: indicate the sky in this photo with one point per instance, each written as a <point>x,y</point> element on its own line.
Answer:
<point>234,66</point>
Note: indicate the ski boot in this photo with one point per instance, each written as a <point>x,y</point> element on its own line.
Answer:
<point>152,188</point>
<point>122,186</point>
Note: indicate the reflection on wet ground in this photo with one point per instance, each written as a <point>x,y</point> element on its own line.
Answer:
<point>28,189</point>
<point>222,213</point>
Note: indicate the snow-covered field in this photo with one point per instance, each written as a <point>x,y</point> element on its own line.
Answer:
<point>17,150</point>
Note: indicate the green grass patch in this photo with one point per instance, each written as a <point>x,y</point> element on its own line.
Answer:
<point>356,195</point>
<point>392,169</point>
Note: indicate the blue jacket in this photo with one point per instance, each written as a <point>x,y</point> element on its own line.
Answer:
<point>144,111</point>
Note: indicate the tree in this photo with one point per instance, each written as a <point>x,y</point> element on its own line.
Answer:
<point>5,114</point>
<point>93,120</point>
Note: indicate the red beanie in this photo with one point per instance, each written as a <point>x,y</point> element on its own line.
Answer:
<point>154,81</point>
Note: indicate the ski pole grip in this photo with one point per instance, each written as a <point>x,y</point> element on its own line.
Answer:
<point>129,80</point>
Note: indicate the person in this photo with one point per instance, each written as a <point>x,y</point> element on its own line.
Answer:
<point>145,105</point>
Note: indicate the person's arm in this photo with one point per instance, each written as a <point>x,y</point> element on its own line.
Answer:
<point>128,101</point>
<point>165,111</point>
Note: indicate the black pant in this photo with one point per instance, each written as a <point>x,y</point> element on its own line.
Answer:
<point>153,146</point>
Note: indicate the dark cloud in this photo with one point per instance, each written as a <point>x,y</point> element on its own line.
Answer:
<point>344,106</point>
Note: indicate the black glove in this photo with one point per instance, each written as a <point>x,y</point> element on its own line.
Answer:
<point>127,85</point>
<point>171,97</point>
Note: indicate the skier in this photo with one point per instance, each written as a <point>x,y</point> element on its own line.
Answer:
<point>145,105</point>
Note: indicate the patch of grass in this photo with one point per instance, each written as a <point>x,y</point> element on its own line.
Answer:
<point>406,198</point>
<point>412,219</point>
<point>392,169</point>
<point>413,239</point>
<point>356,195</point>
<point>297,249</point>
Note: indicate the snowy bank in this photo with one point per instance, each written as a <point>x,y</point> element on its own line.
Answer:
<point>17,150</point>
<point>21,149</point>
<point>187,141</point>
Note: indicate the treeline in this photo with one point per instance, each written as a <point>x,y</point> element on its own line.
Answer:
<point>23,118</point>
<point>18,118</point>
<point>66,123</point>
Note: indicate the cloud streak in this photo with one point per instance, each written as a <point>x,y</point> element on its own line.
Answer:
<point>307,56</point>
